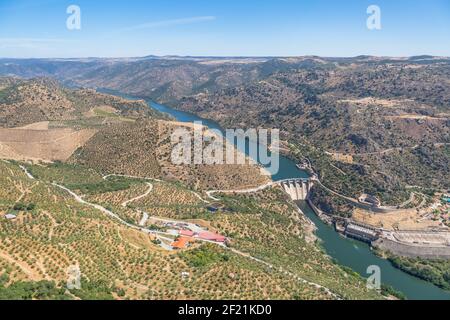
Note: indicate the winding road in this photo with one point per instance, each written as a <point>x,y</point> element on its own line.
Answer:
<point>252,190</point>
<point>162,235</point>
<point>27,172</point>
<point>150,189</point>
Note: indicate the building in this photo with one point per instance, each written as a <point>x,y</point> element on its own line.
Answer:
<point>186,233</point>
<point>361,233</point>
<point>370,200</point>
<point>210,236</point>
<point>181,243</point>
<point>10,216</point>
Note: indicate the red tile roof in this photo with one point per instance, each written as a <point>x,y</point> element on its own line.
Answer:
<point>211,236</point>
<point>187,233</point>
<point>180,243</point>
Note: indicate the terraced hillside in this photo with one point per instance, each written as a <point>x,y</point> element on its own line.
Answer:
<point>110,208</point>
<point>123,148</point>
<point>52,231</point>
<point>103,213</point>
<point>24,102</point>
<point>104,132</point>
<point>42,121</point>
<point>143,148</point>
<point>220,176</point>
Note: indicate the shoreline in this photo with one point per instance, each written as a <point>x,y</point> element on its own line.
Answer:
<point>424,287</point>
<point>386,240</point>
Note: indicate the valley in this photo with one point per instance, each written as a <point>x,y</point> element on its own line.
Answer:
<point>349,122</point>
<point>224,158</point>
<point>88,211</point>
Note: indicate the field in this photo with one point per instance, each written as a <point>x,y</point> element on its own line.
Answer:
<point>41,144</point>
<point>166,199</point>
<point>267,226</point>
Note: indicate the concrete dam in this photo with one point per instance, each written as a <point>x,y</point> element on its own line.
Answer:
<point>297,189</point>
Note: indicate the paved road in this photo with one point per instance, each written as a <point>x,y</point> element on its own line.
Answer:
<point>200,197</point>
<point>252,190</point>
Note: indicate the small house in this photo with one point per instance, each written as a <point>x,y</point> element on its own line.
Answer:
<point>181,243</point>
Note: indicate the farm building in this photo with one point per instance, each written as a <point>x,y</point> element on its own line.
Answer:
<point>186,233</point>
<point>181,243</point>
<point>211,236</point>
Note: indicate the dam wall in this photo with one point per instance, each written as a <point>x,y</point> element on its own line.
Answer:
<point>297,189</point>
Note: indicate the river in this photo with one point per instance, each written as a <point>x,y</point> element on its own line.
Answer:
<point>347,252</point>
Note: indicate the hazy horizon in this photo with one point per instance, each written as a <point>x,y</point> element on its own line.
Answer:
<point>223,57</point>
<point>284,28</point>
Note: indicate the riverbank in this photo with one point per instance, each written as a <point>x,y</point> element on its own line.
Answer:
<point>353,254</point>
<point>412,251</point>
<point>424,244</point>
<point>420,242</point>
<point>359,256</point>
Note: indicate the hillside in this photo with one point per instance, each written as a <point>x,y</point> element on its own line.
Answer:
<point>358,116</point>
<point>120,262</point>
<point>41,120</point>
<point>25,102</point>
<point>45,121</point>
<point>353,108</point>
<point>354,119</point>
<point>356,122</point>
<point>164,79</point>
<point>101,205</point>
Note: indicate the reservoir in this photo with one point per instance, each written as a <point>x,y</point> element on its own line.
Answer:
<point>354,254</point>
<point>288,168</point>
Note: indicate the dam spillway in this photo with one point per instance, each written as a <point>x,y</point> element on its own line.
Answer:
<point>297,189</point>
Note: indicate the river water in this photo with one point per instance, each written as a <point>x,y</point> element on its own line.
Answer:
<point>351,253</point>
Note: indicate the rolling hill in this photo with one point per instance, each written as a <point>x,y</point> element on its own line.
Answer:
<point>87,212</point>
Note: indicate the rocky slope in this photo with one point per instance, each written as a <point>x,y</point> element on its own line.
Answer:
<point>165,79</point>
<point>24,102</point>
<point>372,126</point>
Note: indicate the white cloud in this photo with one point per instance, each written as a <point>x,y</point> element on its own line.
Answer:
<point>170,23</point>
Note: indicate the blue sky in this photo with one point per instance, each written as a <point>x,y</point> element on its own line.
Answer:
<point>116,28</point>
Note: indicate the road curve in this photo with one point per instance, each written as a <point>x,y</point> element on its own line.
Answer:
<point>162,234</point>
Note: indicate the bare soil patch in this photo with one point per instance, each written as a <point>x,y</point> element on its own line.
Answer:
<point>408,219</point>
<point>41,144</point>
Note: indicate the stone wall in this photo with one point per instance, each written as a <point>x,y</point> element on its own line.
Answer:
<point>412,251</point>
